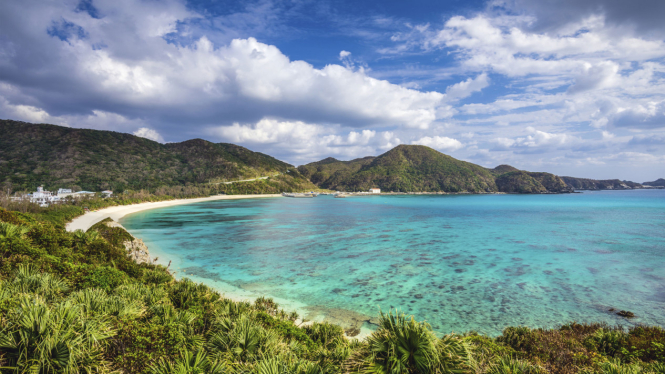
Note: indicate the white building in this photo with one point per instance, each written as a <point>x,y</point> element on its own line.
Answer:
<point>43,198</point>
<point>374,190</point>
<point>107,193</point>
<point>62,192</point>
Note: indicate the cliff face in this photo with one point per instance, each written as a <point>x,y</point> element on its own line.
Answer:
<point>552,183</point>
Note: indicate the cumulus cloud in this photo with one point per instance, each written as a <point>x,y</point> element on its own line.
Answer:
<point>463,89</point>
<point>305,142</point>
<point>505,45</point>
<point>151,134</point>
<point>601,75</point>
<point>535,142</point>
<point>268,131</point>
<point>640,15</point>
<point>440,143</point>
<point>649,116</point>
<point>123,62</point>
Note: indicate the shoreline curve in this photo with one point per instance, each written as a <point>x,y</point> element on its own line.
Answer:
<point>87,220</point>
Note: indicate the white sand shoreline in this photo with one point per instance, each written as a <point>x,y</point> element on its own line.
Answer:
<point>87,220</point>
<point>229,291</point>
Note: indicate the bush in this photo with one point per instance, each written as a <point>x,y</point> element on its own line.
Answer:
<point>105,277</point>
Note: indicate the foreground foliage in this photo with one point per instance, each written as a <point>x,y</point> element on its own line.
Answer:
<point>76,302</point>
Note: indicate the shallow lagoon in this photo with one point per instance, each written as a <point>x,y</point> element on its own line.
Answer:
<point>461,262</point>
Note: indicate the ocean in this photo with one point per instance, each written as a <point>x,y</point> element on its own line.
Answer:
<point>460,262</point>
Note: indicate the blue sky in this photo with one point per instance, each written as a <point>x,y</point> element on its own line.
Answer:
<point>569,87</point>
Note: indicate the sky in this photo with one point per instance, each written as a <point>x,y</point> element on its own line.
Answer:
<point>570,87</point>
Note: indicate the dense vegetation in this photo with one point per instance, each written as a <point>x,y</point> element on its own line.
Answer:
<point>60,157</point>
<point>404,168</point>
<point>415,168</point>
<point>527,182</point>
<point>593,184</point>
<point>76,302</point>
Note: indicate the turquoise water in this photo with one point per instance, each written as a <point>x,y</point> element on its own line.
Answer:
<point>461,262</point>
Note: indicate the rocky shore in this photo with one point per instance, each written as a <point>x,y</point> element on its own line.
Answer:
<point>137,249</point>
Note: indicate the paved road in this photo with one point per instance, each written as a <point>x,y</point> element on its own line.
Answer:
<point>248,180</point>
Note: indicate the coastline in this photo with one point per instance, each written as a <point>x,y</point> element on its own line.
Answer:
<point>87,220</point>
<point>309,314</point>
<point>229,291</point>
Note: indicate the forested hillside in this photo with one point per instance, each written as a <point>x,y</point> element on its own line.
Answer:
<point>56,156</point>
<point>415,168</point>
<point>594,184</point>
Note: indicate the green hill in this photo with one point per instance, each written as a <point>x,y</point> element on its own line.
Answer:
<point>502,169</point>
<point>416,168</point>
<point>404,168</point>
<point>56,156</point>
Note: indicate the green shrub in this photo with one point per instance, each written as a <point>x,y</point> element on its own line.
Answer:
<point>105,277</point>
<point>156,276</point>
<point>509,365</point>
<point>519,338</point>
<point>326,334</point>
<point>606,342</point>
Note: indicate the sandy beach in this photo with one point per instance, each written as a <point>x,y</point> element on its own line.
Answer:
<point>229,291</point>
<point>85,221</point>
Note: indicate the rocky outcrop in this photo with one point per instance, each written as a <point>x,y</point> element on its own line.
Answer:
<point>136,248</point>
<point>138,251</point>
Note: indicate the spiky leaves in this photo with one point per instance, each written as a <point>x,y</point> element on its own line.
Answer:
<point>44,338</point>
<point>403,346</point>
<point>189,363</point>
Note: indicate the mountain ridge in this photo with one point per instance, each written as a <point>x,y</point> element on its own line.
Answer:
<point>57,156</point>
<point>416,168</point>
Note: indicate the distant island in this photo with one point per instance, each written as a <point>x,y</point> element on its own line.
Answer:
<point>33,155</point>
<point>660,182</point>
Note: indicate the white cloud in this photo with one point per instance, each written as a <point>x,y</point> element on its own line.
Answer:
<point>124,63</point>
<point>648,116</point>
<point>502,45</point>
<point>536,142</point>
<point>441,143</point>
<point>463,89</point>
<point>601,75</point>
<point>268,131</point>
<point>151,134</point>
<point>304,142</point>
